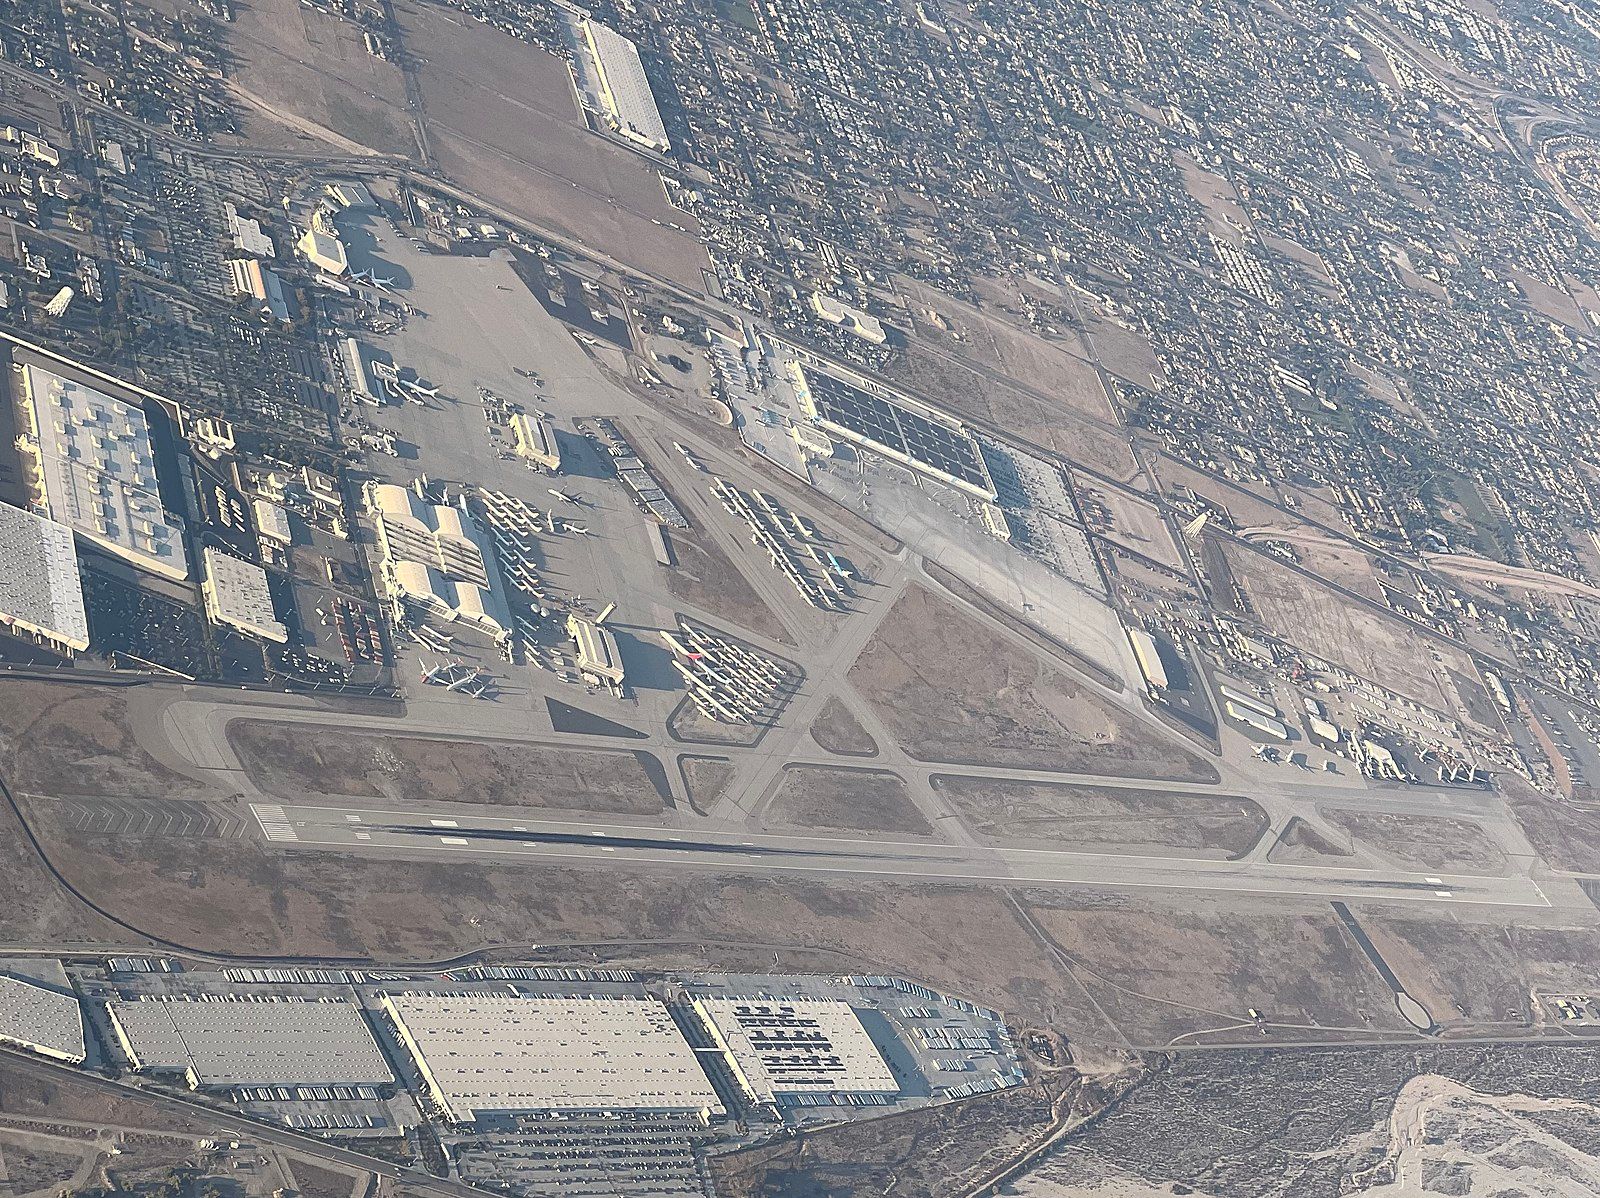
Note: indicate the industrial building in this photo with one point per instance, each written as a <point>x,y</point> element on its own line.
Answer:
<point>599,658</point>
<point>272,523</point>
<point>320,245</point>
<point>41,1020</point>
<point>485,1054</point>
<point>896,427</point>
<point>848,317</point>
<point>248,236</point>
<point>783,1049</point>
<point>1148,654</point>
<point>536,441</point>
<point>436,559</point>
<point>237,594</point>
<point>630,105</point>
<point>357,374</point>
<point>94,470</point>
<point>41,592</point>
<point>221,1043</point>
<point>347,193</point>
<point>260,283</point>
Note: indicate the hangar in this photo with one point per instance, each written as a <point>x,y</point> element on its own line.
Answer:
<point>436,559</point>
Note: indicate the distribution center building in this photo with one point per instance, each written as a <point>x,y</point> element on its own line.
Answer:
<point>785,1049</point>
<point>630,105</point>
<point>41,592</point>
<point>95,470</point>
<point>41,1020</point>
<point>223,1043</point>
<point>485,1054</point>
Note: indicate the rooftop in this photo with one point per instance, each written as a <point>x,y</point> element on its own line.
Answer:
<point>240,1042</point>
<point>487,1053</point>
<point>45,1021</point>
<point>40,589</point>
<point>96,469</point>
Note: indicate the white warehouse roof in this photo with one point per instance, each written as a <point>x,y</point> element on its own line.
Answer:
<point>784,1046</point>
<point>40,588</point>
<point>241,1042</point>
<point>97,470</point>
<point>43,1021</point>
<point>504,1053</point>
<point>624,87</point>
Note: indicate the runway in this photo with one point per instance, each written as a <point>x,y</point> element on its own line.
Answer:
<point>509,840</point>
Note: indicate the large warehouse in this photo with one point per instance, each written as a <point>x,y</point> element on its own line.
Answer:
<point>783,1048</point>
<point>437,559</point>
<point>41,592</point>
<point>630,105</point>
<point>223,1043</point>
<point>94,470</point>
<point>504,1054</point>
<point>43,1021</point>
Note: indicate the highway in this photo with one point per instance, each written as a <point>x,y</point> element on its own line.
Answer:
<point>522,838</point>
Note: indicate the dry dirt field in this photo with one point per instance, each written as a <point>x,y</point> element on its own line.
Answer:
<point>1136,523</point>
<point>1160,973</point>
<point>66,741</point>
<point>705,778</point>
<point>1488,969</point>
<point>1303,844</point>
<point>503,123</point>
<point>953,691</point>
<point>1566,836</point>
<point>309,71</point>
<point>290,760</point>
<point>237,896</point>
<point>1303,612</point>
<point>838,731</point>
<point>1454,845</point>
<point>845,799</point>
<point>993,339</point>
<point>1108,818</point>
<point>704,576</point>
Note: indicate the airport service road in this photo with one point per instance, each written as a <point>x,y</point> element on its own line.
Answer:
<point>504,840</point>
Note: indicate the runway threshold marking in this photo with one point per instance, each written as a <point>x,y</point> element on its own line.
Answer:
<point>274,821</point>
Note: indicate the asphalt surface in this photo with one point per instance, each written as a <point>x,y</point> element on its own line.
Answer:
<point>588,842</point>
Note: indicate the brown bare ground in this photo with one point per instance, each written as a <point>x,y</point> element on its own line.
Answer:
<point>705,577</point>
<point>706,778</point>
<point>1108,818</point>
<point>1422,841</point>
<point>290,760</point>
<point>75,741</point>
<point>844,799</point>
<point>237,896</point>
<point>837,730</point>
<point>504,124</point>
<point>951,690</point>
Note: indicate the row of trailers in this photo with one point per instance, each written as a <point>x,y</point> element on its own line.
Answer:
<point>791,543</point>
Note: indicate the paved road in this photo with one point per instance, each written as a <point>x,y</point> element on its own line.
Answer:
<point>456,834</point>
